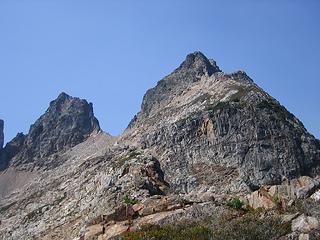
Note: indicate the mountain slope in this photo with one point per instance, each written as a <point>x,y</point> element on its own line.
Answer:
<point>201,137</point>
<point>197,118</point>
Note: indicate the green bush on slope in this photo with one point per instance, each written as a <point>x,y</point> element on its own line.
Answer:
<point>247,227</point>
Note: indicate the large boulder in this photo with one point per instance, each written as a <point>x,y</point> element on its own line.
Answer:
<point>269,197</point>
<point>304,224</point>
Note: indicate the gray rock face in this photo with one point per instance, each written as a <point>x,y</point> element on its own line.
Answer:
<point>11,149</point>
<point>1,133</point>
<point>197,119</point>
<point>191,70</point>
<point>304,224</point>
<point>67,122</point>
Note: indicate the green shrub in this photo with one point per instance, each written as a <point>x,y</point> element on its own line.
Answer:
<point>244,227</point>
<point>235,203</point>
<point>251,227</point>
<point>133,154</point>
<point>129,200</point>
<point>170,232</point>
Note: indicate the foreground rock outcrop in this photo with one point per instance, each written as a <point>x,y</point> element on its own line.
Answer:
<point>205,144</point>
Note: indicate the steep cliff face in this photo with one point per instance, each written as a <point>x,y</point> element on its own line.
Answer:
<point>1,133</point>
<point>11,149</point>
<point>67,122</point>
<point>203,123</point>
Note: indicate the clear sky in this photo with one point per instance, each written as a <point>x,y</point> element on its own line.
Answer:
<point>111,52</point>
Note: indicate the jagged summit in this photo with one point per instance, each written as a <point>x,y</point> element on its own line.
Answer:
<point>191,70</point>
<point>67,122</point>
<point>62,97</point>
<point>199,63</point>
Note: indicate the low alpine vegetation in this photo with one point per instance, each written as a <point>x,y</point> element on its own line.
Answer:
<point>129,200</point>
<point>235,203</point>
<point>170,232</point>
<point>247,227</point>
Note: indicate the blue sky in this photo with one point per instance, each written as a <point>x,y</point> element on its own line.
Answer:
<point>111,52</point>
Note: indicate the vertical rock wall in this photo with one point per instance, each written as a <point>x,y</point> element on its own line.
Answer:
<point>1,134</point>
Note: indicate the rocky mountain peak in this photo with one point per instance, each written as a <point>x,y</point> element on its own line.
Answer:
<point>223,120</point>
<point>62,97</point>
<point>65,101</point>
<point>199,63</point>
<point>67,122</point>
<point>1,133</point>
<point>191,70</point>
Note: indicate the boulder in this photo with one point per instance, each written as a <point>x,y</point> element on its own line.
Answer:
<point>93,231</point>
<point>270,197</point>
<point>115,230</point>
<point>316,196</point>
<point>285,218</point>
<point>304,236</point>
<point>305,186</point>
<point>304,224</point>
<point>261,199</point>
